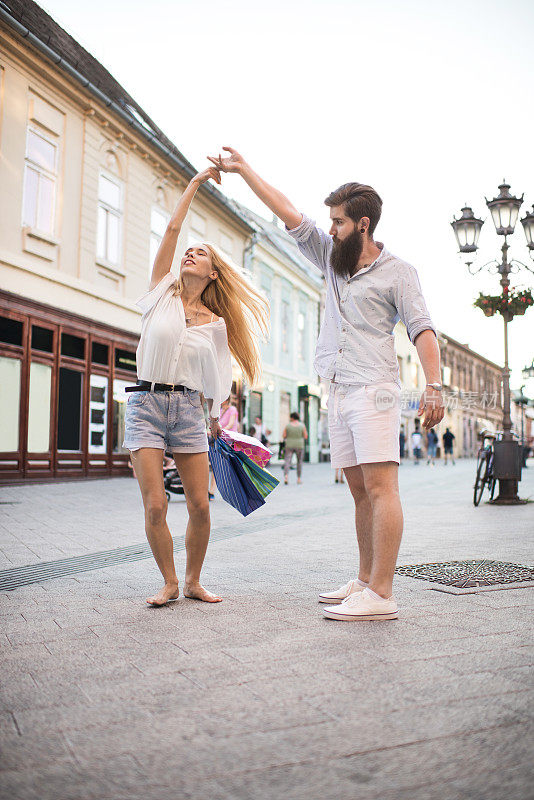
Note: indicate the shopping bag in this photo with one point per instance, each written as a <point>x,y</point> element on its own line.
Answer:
<point>233,481</point>
<point>248,445</point>
<point>261,478</point>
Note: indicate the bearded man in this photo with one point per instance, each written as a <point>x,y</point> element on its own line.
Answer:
<point>368,290</point>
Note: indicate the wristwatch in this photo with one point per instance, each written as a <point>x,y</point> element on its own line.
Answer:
<point>437,386</point>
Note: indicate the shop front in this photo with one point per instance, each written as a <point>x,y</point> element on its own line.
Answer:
<point>62,398</point>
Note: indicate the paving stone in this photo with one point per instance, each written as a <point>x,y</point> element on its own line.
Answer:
<point>261,697</point>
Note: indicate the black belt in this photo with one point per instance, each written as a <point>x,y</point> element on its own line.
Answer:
<point>146,386</point>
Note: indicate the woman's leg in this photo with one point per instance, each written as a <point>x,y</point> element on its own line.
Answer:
<point>300,456</point>
<point>148,465</point>
<point>193,469</point>
<point>287,462</point>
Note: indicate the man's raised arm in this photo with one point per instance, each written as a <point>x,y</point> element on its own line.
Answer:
<point>275,200</point>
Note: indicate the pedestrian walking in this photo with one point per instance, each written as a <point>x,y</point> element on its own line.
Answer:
<point>338,476</point>
<point>368,290</point>
<point>402,444</point>
<point>294,436</point>
<point>448,445</point>
<point>190,326</point>
<point>417,440</point>
<point>431,447</point>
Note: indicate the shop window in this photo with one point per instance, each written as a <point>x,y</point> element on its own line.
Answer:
<point>9,403</point>
<point>119,411</point>
<point>11,331</point>
<point>39,408</point>
<point>98,403</point>
<point>69,409</point>
<point>125,359</point>
<point>72,346</point>
<point>42,339</point>
<point>100,353</point>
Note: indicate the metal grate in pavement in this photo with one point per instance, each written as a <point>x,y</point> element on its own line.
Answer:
<point>468,574</point>
<point>47,570</point>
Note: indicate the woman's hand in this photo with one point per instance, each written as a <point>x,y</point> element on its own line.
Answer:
<point>234,163</point>
<point>205,175</point>
<point>215,428</point>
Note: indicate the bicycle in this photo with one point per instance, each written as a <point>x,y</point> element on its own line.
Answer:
<point>485,475</point>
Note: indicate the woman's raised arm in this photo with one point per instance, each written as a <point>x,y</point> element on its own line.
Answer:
<point>167,248</point>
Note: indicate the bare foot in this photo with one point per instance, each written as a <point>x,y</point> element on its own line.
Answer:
<point>197,592</point>
<point>169,592</point>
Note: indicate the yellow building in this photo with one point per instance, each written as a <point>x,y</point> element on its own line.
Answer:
<point>472,390</point>
<point>87,184</point>
<point>293,287</point>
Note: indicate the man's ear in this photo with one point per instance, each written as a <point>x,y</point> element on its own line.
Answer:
<point>363,224</point>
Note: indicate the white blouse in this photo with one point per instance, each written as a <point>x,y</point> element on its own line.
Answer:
<point>169,352</point>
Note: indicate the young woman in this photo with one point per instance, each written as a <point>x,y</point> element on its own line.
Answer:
<point>190,326</point>
<point>294,436</point>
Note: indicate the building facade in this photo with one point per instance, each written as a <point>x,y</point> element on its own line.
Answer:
<point>87,185</point>
<point>293,288</point>
<point>472,391</point>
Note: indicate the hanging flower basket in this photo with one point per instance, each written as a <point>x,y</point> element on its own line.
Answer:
<point>509,304</point>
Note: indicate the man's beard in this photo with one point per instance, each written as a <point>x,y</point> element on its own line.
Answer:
<point>346,254</point>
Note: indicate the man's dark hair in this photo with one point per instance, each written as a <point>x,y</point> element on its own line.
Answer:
<point>294,415</point>
<point>358,200</point>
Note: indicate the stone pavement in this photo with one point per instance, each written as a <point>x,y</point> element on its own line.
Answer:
<point>259,697</point>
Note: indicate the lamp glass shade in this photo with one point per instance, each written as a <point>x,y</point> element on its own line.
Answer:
<point>504,210</point>
<point>467,230</point>
<point>528,226</point>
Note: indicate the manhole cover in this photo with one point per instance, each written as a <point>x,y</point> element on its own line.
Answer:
<point>465,574</point>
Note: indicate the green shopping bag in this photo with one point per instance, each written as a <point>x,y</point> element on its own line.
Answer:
<point>261,478</point>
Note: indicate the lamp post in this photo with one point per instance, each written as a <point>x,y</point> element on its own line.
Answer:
<point>504,211</point>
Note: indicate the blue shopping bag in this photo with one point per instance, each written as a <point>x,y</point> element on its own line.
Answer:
<point>232,481</point>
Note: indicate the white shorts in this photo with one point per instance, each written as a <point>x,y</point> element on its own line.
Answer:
<point>364,424</point>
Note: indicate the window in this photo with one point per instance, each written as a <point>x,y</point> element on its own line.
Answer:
<point>120,399</point>
<point>39,408</point>
<point>42,339</point>
<point>226,243</point>
<point>109,219</point>
<point>11,331</point>
<point>100,353</point>
<point>72,346</point>
<point>98,414</point>
<point>69,409</point>
<point>124,359</point>
<point>197,230</point>
<point>267,348</point>
<point>285,326</point>
<point>40,173</point>
<point>301,342</point>
<point>158,223</point>
<point>9,403</point>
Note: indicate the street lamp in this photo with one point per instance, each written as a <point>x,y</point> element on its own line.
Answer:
<point>528,226</point>
<point>504,211</point>
<point>528,372</point>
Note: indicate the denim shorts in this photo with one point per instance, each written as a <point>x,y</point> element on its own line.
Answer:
<point>167,420</point>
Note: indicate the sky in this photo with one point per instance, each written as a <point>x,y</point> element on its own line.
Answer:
<point>429,103</point>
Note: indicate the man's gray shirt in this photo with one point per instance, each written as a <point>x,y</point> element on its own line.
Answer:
<point>356,344</point>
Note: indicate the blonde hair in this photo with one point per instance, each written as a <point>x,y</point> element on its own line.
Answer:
<point>244,310</point>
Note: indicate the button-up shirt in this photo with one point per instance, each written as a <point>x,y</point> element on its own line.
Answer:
<point>169,352</point>
<point>356,344</point>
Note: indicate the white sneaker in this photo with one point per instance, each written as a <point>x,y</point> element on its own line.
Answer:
<point>363,607</point>
<point>342,593</point>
